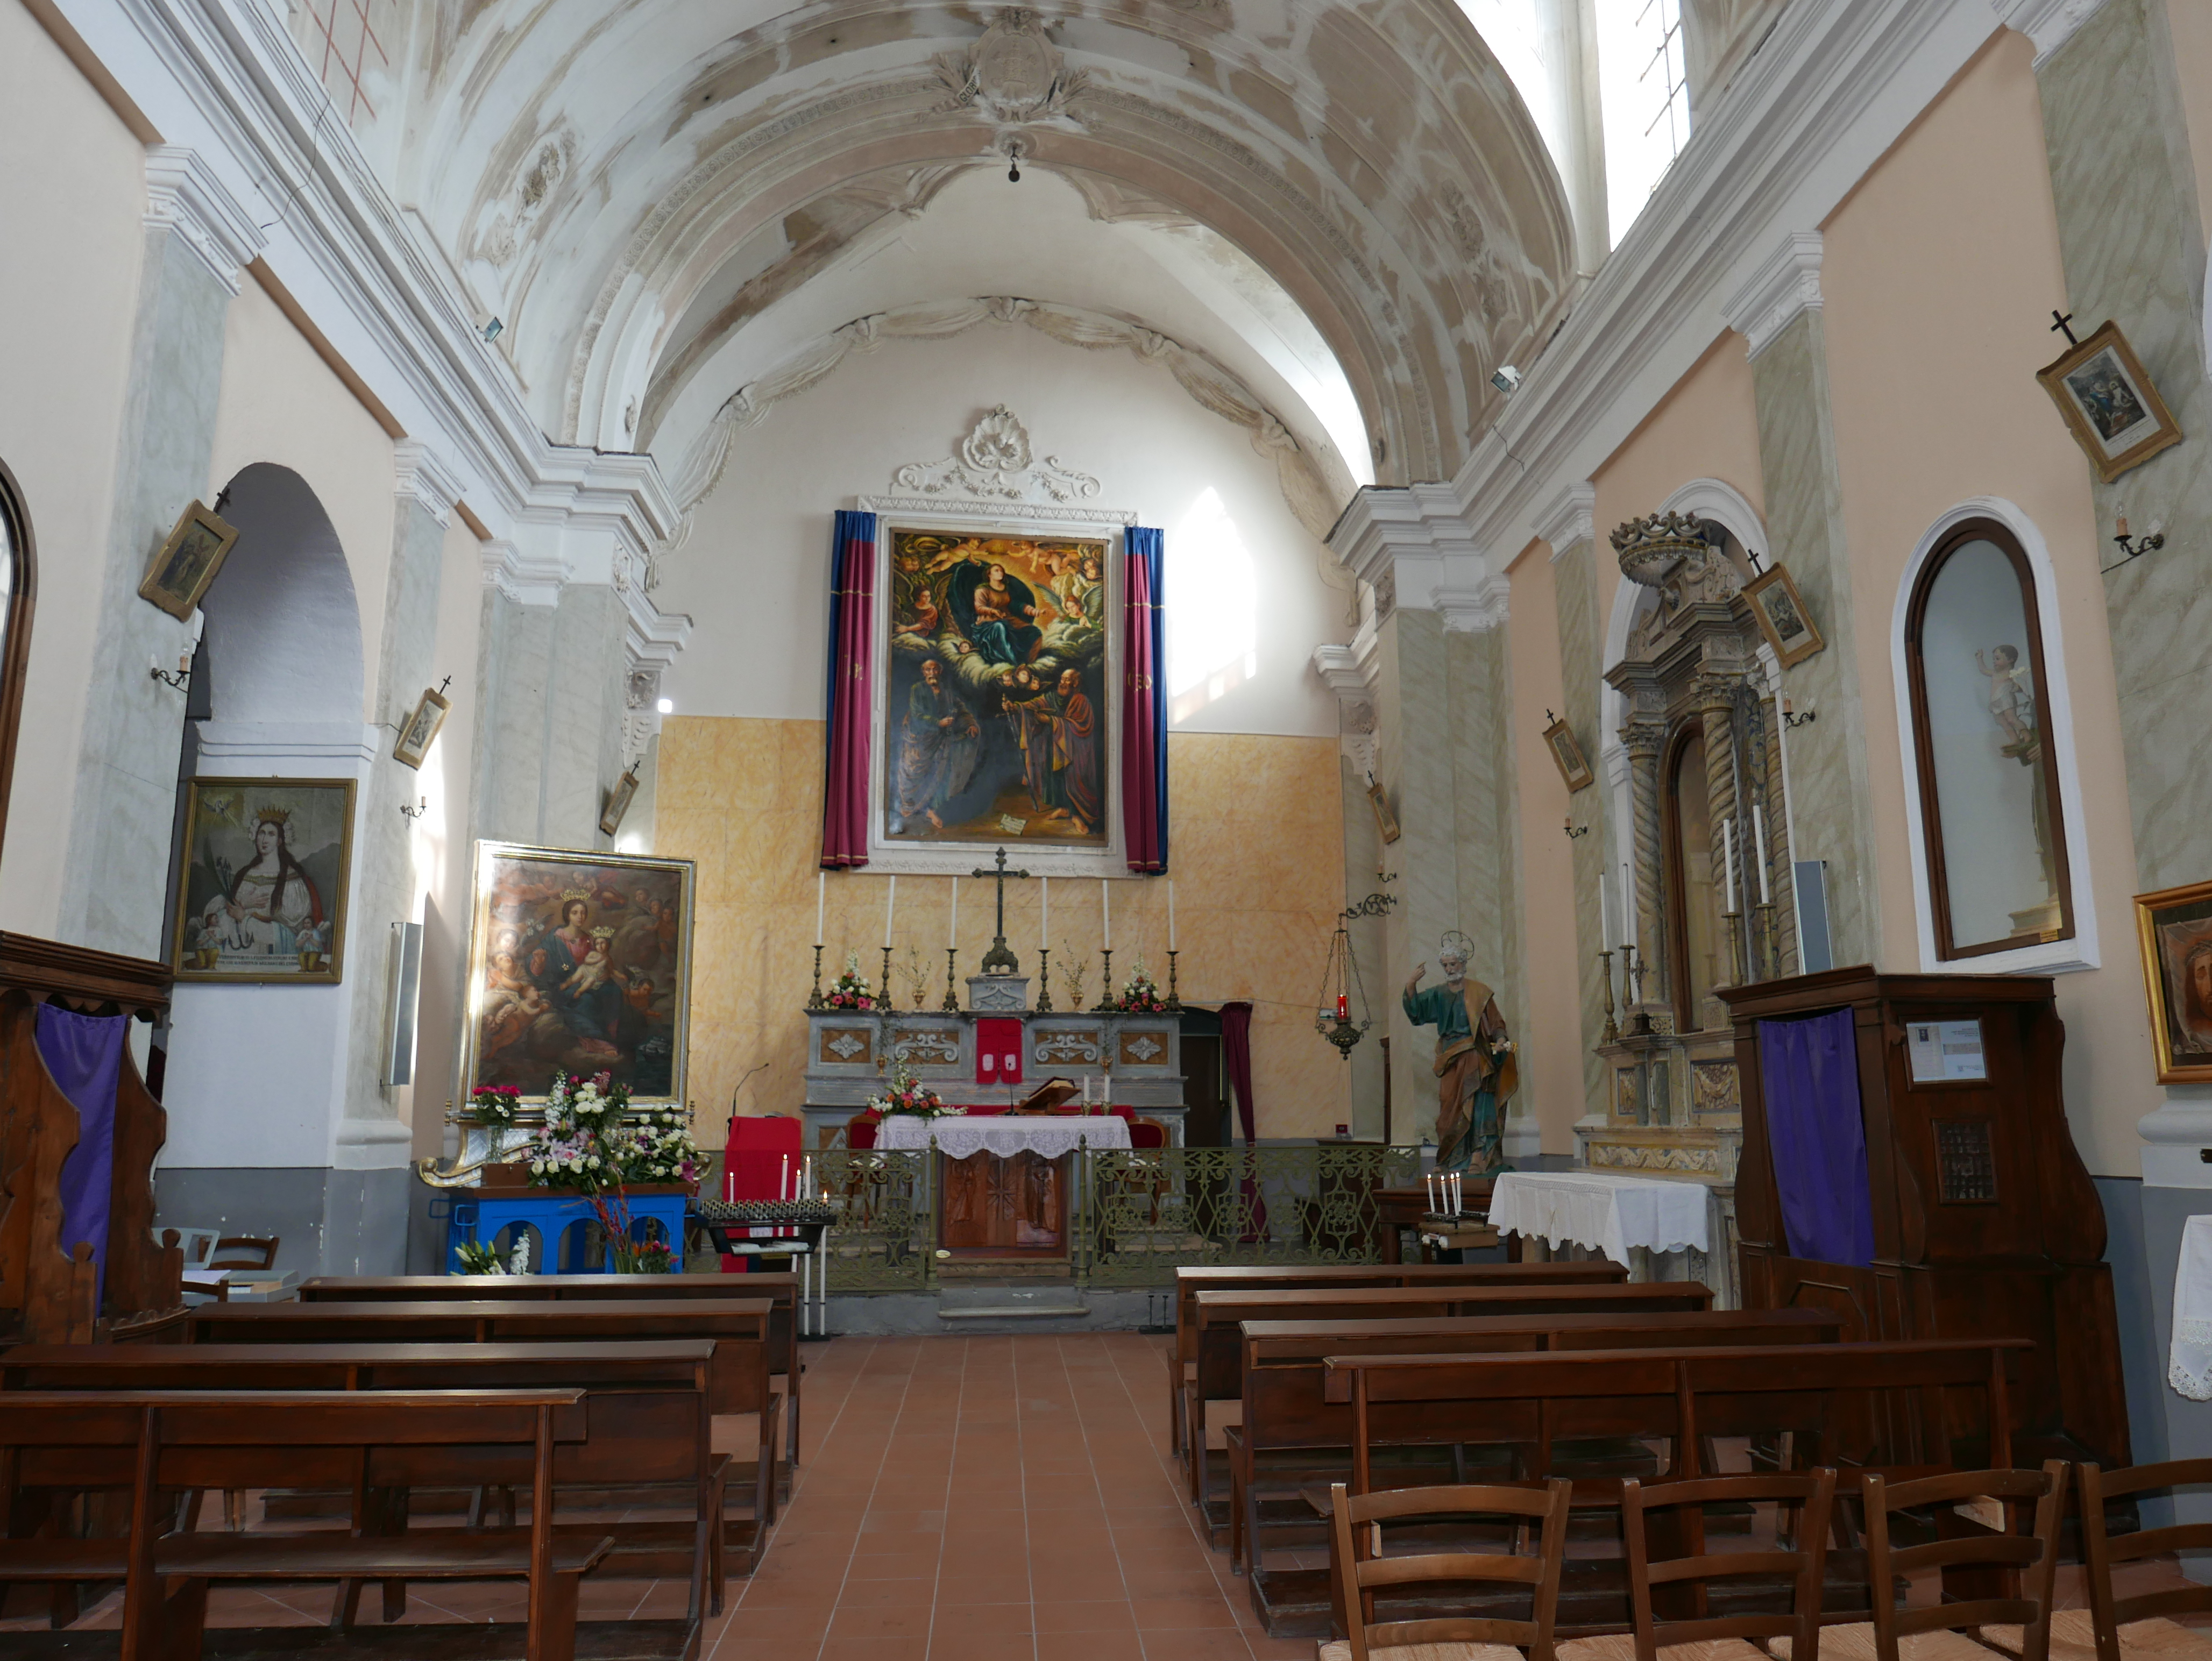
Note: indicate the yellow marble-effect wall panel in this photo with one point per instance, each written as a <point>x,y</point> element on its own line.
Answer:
<point>1258,856</point>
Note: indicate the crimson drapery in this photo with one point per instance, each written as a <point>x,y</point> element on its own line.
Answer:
<point>998,1050</point>
<point>1144,703</point>
<point>851,701</point>
<point>1237,1059</point>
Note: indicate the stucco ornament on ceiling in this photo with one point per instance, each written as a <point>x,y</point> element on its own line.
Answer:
<point>1013,76</point>
<point>995,463</point>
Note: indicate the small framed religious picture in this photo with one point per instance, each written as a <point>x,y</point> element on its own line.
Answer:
<point>618,800</point>
<point>196,549</point>
<point>421,730</point>
<point>2175,928</point>
<point>1386,821</point>
<point>2110,405</point>
<point>262,895</point>
<point>1779,610</point>
<point>1567,753</point>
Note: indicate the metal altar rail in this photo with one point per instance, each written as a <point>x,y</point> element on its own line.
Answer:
<point>1134,1217</point>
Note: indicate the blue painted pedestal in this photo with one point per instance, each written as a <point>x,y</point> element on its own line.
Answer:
<point>557,1218</point>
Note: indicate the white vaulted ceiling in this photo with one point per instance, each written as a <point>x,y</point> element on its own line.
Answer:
<point>1343,207</point>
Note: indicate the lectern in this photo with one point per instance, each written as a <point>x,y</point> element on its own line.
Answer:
<point>1975,1217</point>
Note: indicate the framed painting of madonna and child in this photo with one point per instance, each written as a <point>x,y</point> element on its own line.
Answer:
<point>261,893</point>
<point>579,963</point>
<point>996,687</point>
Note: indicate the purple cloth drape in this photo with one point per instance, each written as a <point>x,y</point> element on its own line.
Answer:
<point>84,1053</point>
<point>1809,1073</point>
<point>1144,704</point>
<point>851,703</point>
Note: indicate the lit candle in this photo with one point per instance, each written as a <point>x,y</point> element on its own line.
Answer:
<point>1171,939</point>
<point>1105,914</point>
<point>1430,1178</point>
<point>1343,1007</point>
<point>1044,898</point>
<point>1728,866</point>
<point>952,927</point>
<point>2122,508</point>
<point>890,905</point>
<point>821,898</point>
<point>1759,831</point>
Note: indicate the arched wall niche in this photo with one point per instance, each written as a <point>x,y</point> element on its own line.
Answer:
<point>283,628</point>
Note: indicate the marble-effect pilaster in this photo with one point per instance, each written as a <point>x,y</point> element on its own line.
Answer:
<point>1575,578</point>
<point>1829,785</point>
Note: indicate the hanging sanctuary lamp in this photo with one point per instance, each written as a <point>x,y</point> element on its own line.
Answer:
<point>1340,976</point>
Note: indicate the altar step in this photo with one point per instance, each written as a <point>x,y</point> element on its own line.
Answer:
<point>1027,1299</point>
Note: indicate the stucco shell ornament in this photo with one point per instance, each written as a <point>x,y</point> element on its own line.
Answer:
<point>995,461</point>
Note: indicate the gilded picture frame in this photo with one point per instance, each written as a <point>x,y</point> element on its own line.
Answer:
<point>420,729</point>
<point>579,962</point>
<point>1567,754</point>
<point>2109,403</point>
<point>1782,615</point>
<point>2174,928</point>
<point>187,562</point>
<point>261,885</point>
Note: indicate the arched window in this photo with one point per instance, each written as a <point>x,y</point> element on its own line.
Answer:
<point>18,587</point>
<point>1697,937</point>
<point>1989,802</point>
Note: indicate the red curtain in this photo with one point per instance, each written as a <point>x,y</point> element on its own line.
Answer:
<point>1144,704</point>
<point>998,1050</point>
<point>851,704</point>
<point>1237,1059</point>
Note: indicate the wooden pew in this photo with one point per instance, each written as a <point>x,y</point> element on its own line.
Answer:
<point>1215,1378</point>
<point>1289,1277</point>
<point>146,1442</point>
<point>646,1415</point>
<point>1287,1411</point>
<point>740,1385</point>
<point>782,1289</point>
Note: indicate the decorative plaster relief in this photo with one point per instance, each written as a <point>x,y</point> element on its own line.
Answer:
<point>1786,284</point>
<point>184,195</point>
<point>1570,520</point>
<point>995,461</point>
<point>1013,75</point>
<point>421,475</point>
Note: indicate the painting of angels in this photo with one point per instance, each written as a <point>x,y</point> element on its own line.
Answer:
<point>579,963</point>
<point>997,684</point>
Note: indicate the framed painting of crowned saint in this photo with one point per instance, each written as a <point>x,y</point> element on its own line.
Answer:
<point>579,963</point>
<point>997,715</point>
<point>262,893</point>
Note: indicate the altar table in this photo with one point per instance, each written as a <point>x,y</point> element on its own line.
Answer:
<point>1004,1180</point>
<point>1605,1213</point>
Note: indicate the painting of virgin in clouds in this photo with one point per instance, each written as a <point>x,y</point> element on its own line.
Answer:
<point>994,723</point>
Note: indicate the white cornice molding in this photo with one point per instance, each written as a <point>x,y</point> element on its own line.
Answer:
<point>1570,520</point>
<point>1413,545</point>
<point>1825,98</point>
<point>2049,23</point>
<point>652,637</point>
<point>1786,285</point>
<point>1348,670</point>
<point>525,578</point>
<point>421,476</point>
<point>185,196</point>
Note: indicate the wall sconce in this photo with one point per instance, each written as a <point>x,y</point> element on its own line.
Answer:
<point>181,678</point>
<point>2129,547</point>
<point>1573,830</point>
<point>1792,721</point>
<point>417,810</point>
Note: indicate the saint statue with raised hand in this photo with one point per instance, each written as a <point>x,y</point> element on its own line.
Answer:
<point>1476,1069</point>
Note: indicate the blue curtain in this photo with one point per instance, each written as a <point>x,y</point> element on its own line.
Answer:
<point>84,1053</point>
<point>1809,1075</point>
<point>1146,550</point>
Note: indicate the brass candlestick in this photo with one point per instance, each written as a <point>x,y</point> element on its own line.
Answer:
<point>1738,971</point>
<point>1174,1001</point>
<point>1106,981</point>
<point>814,999</point>
<point>1044,979</point>
<point>951,999</point>
<point>1605,966</point>
<point>1765,935</point>
<point>884,998</point>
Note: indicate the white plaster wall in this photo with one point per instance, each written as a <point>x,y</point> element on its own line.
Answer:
<point>72,198</point>
<point>754,574</point>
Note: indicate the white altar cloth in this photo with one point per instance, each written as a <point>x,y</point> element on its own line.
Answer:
<point>1608,1213</point>
<point>961,1137</point>
<point>2189,1360</point>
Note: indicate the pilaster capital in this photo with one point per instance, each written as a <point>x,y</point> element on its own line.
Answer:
<point>421,476</point>
<point>1413,545</point>
<point>1348,670</point>
<point>1569,520</point>
<point>1642,738</point>
<point>525,578</point>
<point>183,196</point>
<point>1785,285</point>
<point>2049,23</point>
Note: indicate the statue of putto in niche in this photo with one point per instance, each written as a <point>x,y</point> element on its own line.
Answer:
<point>1476,1068</point>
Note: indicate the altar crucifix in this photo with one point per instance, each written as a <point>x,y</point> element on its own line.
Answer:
<point>999,960</point>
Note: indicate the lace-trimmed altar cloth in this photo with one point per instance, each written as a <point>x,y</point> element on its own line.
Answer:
<point>960,1137</point>
<point>1607,1213</point>
<point>2189,1363</point>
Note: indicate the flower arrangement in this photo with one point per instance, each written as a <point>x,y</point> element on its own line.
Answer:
<point>1072,970</point>
<point>1140,994</point>
<point>908,1098</point>
<point>592,1141</point>
<point>851,990</point>
<point>654,1146</point>
<point>495,1106</point>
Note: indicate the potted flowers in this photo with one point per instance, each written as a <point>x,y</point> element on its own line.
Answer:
<point>590,1143</point>
<point>851,990</point>
<point>1140,994</point>
<point>909,1099</point>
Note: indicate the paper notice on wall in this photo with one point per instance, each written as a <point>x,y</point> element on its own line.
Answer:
<point>1945,1050</point>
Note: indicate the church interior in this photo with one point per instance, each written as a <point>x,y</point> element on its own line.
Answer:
<point>1357,829</point>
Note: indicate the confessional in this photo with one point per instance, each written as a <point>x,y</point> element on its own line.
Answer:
<point>1976,1217</point>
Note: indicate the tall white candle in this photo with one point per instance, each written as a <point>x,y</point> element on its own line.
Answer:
<point>1758,852</point>
<point>1105,914</point>
<point>1728,866</point>
<point>821,899</point>
<point>1044,901</point>
<point>1171,939</point>
<point>953,925</point>
<point>890,905</point>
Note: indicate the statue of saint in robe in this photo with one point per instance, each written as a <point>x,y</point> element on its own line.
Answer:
<point>1475,1066</point>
